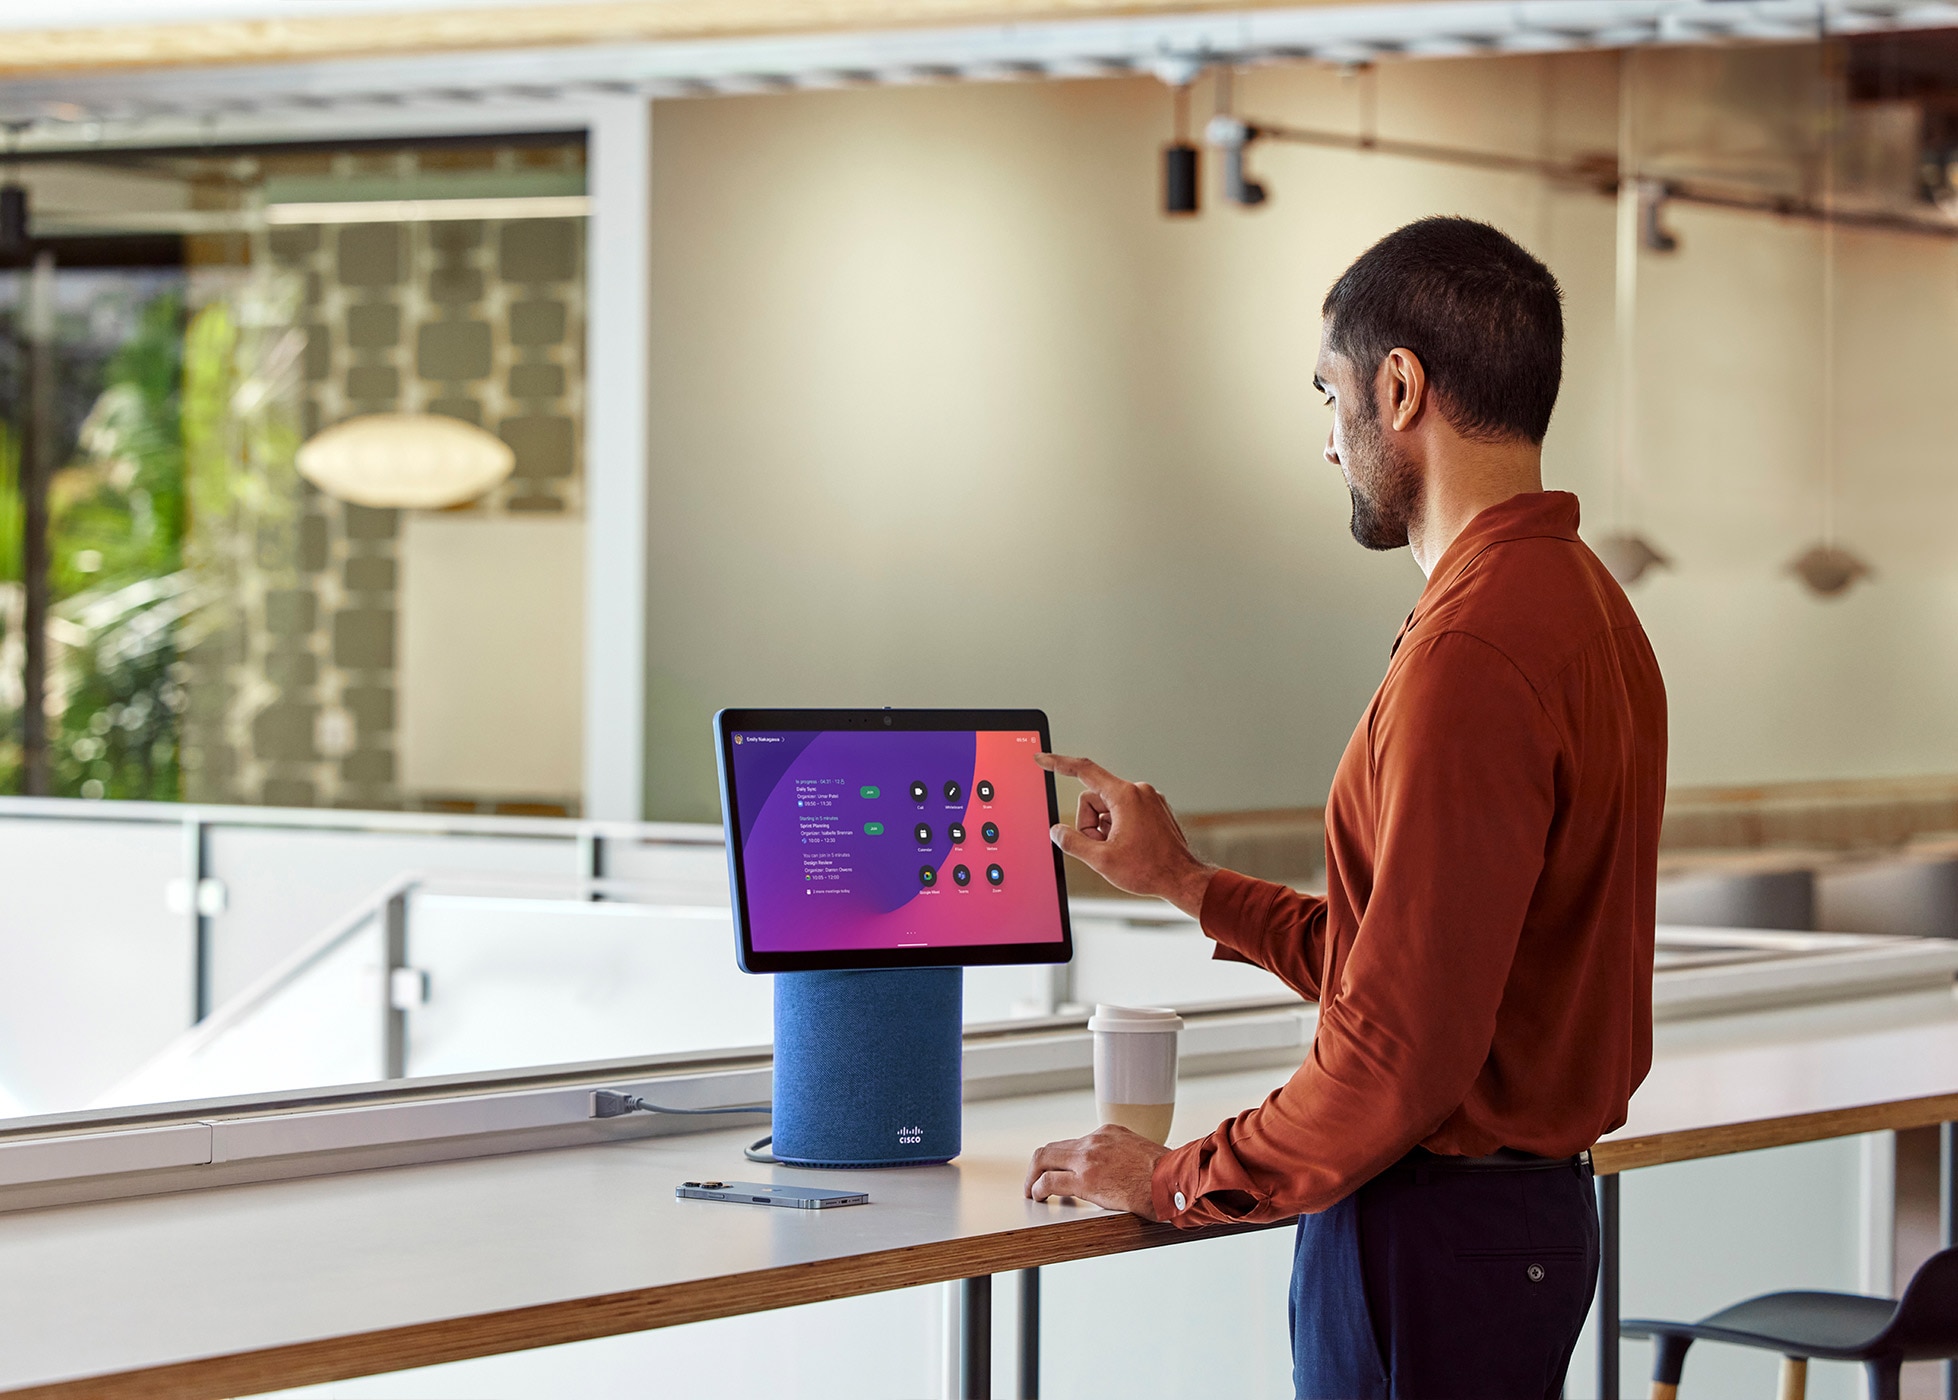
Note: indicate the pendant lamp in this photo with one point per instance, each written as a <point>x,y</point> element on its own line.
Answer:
<point>1826,567</point>
<point>1628,554</point>
<point>410,461</point>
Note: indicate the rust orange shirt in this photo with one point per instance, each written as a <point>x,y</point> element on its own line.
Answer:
<point>1482,958</point>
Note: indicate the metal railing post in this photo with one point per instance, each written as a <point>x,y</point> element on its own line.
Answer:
<point>1029,1334</point>
<point>1608,1309</point>
<point>591,859</point>
<point>394,1036</point>
<point>976,1338</point>
<point>1948,1219</point>
<point>197,863</point>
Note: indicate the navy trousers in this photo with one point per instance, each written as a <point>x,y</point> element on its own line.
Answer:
<point>1446,1281</point>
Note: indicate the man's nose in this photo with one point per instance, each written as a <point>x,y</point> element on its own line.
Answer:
<point>1331,454</point>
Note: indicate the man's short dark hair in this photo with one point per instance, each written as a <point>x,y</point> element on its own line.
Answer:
<point>1485,318</point>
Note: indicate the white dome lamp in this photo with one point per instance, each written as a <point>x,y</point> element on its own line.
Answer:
<point>408,461</point>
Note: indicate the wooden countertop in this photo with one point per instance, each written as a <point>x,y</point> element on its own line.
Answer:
<point>241,1289</point>
<point>247,1288</point>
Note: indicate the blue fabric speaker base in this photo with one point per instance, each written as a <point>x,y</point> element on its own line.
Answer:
<point>868,1067</point>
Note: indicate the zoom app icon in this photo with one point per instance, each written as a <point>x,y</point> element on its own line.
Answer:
<point>927,876</point>
<point>991,832</point>
<point>995,875</point>
<point>961,876</point>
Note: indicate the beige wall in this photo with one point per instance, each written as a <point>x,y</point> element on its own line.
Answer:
<point>946,414</point>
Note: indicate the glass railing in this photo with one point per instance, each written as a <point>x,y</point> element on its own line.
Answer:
<point>356,948</point>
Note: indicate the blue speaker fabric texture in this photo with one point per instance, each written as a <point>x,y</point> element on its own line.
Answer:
<point>868,1067</point>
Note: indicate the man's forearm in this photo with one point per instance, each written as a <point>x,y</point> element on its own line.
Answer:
<point>1187,887</point>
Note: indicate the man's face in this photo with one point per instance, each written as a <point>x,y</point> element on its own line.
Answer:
<point>1384,482</point>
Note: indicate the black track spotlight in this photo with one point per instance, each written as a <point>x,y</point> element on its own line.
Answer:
<point>1181,178</point>
<point>1182,161</point>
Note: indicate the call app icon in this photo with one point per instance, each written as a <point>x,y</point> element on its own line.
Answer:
<point>961,876</point>
<point>927,876</point>
<point>985,791</point>
<point>991,832</point>
<point>995,875</point>
<point>923,832</point>
<point>957,833</point>
<point>919,792</point>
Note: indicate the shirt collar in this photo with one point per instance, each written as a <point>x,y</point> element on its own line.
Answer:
<point>1531,515</point>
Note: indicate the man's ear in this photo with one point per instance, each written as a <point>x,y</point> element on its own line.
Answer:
<point>1403,388</point>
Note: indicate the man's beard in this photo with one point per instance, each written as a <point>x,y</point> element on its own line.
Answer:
<point>1383,481</point>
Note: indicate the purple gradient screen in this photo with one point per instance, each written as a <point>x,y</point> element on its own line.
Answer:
<point>839,852</point>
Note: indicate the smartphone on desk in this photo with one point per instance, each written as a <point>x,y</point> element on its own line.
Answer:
<point>750,1193</point>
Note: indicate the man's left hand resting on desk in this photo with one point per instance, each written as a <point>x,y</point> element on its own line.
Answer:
<point>1110,1166</point>
<point>1129,836</point>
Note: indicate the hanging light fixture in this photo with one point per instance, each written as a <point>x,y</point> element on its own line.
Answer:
<point>1181,159</point>
<point>1826,567</point>
<point>411,461</point>
<point>1628,554</point>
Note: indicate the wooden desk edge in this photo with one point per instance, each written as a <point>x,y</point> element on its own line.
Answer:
<point>1655,1149</point>
<point>582,1319</point>
<point>605,1315</point>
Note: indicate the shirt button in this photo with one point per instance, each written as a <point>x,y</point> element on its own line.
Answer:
<point>1181,1202</point>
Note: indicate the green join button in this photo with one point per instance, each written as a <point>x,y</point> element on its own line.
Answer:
<point>867,792</point>
<point>873,828</point>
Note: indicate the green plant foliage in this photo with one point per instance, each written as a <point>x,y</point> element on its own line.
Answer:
<point>117,513</point>
<point>11,518</point>
<point>122,686</point>
<point>121,601</point>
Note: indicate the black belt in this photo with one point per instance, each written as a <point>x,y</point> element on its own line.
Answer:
<point>1503,1159</point>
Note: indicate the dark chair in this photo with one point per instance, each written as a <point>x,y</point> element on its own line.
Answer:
<point>1831,1326</point>
<point>1881,1333</point>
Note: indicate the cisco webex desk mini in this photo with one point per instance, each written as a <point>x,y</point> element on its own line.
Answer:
<point>874,854</point>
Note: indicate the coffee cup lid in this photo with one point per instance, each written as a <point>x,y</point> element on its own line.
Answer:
<point>1133,1018</point>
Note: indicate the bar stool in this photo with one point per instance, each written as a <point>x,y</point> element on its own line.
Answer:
<point>1879,1332</point>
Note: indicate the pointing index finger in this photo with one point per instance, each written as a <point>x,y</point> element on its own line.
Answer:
<point>1085,770</point>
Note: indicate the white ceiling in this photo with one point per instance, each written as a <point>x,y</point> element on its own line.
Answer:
<point>490,89</point>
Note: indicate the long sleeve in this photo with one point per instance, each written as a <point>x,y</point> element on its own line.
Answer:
<point>1272,926</point>
<point>1462,767</point>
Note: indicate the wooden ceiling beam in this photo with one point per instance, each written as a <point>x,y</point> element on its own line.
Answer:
<point>137,47</point>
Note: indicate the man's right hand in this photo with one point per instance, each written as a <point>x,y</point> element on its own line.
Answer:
<point>1126,833</point>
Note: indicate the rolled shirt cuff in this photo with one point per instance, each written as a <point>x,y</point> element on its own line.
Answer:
<point>1237,913</point>
<point>1172,1185</point>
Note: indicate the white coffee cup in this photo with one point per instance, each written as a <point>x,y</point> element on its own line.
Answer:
<point>1135,1067</point>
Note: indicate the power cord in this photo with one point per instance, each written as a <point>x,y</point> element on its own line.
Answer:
<point>610,1103</point>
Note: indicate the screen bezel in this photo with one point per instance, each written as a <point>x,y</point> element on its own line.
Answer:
<point>726,722</point>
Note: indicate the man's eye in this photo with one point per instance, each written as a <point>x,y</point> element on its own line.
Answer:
<point>1329,401</point>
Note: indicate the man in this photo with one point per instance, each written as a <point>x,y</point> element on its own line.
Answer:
<point>1482,958</point>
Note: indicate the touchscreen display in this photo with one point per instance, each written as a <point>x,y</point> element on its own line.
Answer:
<point>855,840</point>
